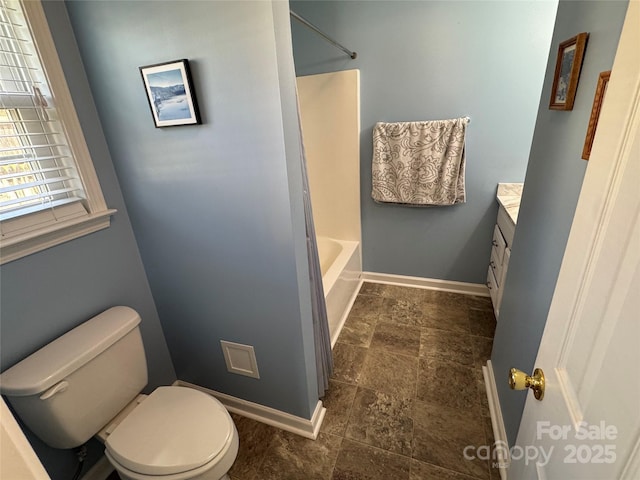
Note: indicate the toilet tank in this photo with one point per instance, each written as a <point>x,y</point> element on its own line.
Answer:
<point>69,389</point>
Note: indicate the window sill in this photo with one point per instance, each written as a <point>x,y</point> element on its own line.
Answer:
<point>20,246</point>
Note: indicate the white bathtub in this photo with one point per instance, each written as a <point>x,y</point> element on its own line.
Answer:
<point>341,265</point>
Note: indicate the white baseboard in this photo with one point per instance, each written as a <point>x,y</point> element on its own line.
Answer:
<point>100,470</point>
<point>497,422</point>
<point>270,416</point>
<point>464,288</point>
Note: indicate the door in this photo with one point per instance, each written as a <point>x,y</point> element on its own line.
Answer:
<point>588,424</point>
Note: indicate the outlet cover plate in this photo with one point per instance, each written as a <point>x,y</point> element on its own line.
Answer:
<point>240,359</point>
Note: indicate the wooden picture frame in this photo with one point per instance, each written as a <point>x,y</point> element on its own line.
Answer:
<point>601,90</point>
<point>567,74</point>
<point>170,93</point>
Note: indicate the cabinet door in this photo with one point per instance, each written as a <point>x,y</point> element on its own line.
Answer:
<point>503,276</point>
<point>493,289</point>
<point>496,267</point>
<point>499,244</point>
<point>505,266</point>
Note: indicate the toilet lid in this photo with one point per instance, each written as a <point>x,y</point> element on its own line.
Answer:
<point>174,430</point>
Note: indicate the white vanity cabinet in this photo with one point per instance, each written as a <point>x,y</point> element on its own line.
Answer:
<point>503,232</point>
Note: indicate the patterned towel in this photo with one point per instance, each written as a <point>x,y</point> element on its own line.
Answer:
<point>419,163</point>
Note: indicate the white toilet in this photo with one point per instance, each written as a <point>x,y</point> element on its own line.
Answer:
<point>88,382</point>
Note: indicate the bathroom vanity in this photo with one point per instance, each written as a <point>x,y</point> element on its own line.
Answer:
<point>508,196</point>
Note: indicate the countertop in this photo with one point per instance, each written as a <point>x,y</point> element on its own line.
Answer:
<point>508,196</point>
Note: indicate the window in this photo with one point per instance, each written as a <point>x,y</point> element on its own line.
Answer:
<point>49,191</point>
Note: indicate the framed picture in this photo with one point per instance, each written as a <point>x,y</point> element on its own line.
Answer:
<point>568,65</point>
<point>170,93</point>
<point>601,90</point>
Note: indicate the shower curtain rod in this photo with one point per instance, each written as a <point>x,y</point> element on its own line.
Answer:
<point>310,25</point>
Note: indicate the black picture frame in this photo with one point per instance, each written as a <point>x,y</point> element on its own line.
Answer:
<point>170,93</point>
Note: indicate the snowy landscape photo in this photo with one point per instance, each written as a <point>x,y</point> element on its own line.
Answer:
<point>170,93</point>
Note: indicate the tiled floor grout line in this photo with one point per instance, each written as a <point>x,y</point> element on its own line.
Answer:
<point>387,452</point>
<point>333,464</point>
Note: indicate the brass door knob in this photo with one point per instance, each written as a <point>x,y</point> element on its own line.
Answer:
<point>518,380</point>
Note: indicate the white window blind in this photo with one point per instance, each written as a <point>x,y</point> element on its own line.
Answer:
<point>37,169</point>
<point>49,190</point>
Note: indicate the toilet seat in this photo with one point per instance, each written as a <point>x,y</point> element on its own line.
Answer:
<point>175,430</point>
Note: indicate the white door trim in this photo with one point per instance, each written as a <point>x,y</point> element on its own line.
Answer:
<point>501,455</point>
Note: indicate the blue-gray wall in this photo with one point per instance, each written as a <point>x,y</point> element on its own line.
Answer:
<point>552,186</point>
<point>422,60</point>
<point>48,293</point>
<point>216,208</point>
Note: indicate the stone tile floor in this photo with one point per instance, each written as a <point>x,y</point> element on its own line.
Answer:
<point>405,399</point>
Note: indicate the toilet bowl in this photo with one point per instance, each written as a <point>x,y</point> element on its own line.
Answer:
<point>88,382</point>
<point>176,433</point>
